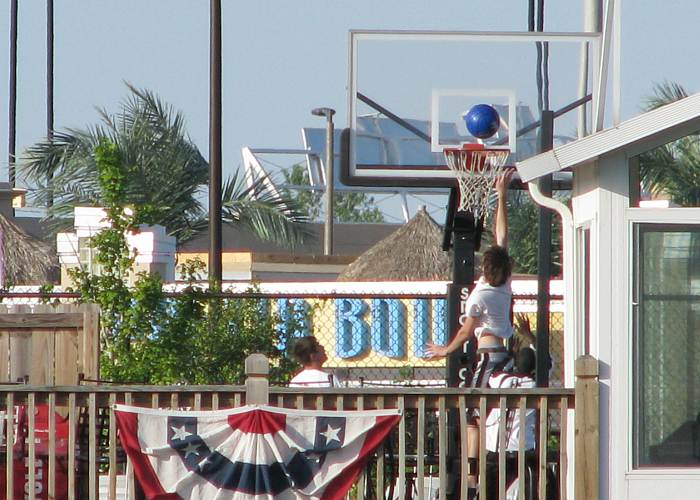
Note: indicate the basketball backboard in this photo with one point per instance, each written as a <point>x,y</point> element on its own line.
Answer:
<point>407,149</point>
<point>409,90</point>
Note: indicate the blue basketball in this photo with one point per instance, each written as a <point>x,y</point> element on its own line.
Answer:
<point>482,121</point>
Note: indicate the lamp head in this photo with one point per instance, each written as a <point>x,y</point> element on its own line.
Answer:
<point>327,112</point>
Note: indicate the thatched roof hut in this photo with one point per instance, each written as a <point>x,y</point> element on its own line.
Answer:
<point>411,253</point>
<point>25,260</point>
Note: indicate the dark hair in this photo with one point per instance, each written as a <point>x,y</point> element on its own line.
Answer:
<point>525,360</point>
<point>496,265</point>
<point>304,348</point>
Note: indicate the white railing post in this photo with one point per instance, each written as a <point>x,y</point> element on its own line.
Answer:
<point>257,385</point>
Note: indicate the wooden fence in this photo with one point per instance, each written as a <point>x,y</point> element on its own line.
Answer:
<point>414,459</point>
<point>43,344</point>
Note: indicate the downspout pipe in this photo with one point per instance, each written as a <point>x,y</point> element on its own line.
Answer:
<point>571,340</point>
<point>571,312</point>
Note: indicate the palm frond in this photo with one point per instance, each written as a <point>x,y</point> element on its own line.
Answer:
<point>672,170</point>
<point>664,93</point>
<point>167,173</point>
<point>167,170</point>
<point>266,213</point>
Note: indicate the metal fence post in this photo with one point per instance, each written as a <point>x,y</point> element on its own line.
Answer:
<point>587,425</point>
<point>257,385</point>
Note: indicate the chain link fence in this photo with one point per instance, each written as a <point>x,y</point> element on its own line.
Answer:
<point>369,339</point>
<point>381,340</point>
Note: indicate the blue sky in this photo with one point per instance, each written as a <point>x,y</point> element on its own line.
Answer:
<point>281,58</point>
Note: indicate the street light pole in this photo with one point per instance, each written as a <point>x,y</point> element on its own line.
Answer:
<point>328,228</point>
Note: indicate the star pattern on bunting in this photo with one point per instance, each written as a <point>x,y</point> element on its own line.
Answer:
<point>180,433</point>
<point>331,434</point>
<point>191,448</point>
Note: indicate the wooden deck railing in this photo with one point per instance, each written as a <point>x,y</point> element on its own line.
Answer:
<point>419,454</point>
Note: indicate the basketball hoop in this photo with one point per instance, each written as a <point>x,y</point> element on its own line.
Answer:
<point>475,168</point>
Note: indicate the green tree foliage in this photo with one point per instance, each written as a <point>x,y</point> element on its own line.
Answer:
<point>166,175</point>
<point>147,337</point>
<point>523,223</point>
<point>348,207</point>
<point>356,207</point>
<point>672,170</point>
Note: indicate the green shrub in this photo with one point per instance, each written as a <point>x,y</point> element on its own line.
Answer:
<point>148,337</point>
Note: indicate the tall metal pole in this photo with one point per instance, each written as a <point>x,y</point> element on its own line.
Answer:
<point>12,108</point>
<point>215,266</point>
<point>49,87</point>
<point>49,68</point>
<point>544,259</point>
<point>328,227</point>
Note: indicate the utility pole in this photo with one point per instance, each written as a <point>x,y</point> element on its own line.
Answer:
<point>12,107</point>
<point>49,87</point>
<point>49,68</point>
<point>215,267</point>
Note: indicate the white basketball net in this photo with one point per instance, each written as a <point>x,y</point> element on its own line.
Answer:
<point>476,171</point>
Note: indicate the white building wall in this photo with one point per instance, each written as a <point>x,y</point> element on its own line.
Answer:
<point>601,204</point>
<point>601,198</point>
<point>154,248</point>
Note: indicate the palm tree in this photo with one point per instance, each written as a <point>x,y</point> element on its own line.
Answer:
<point>24,260</point>
<point>168,174</point>
<point>673,169</point>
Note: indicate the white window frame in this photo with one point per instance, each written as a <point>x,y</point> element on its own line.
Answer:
<point>633,216</point>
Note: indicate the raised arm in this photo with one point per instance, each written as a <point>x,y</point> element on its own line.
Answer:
<point>500,228</point>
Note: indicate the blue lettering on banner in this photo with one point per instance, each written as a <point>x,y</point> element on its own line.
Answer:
<point>421,320</point>
<point>264,307</point>
<point>389,327</point>
<point>352,332</point>
<point>420,326</point>
<point>440,321</point>
<point>294,315</point>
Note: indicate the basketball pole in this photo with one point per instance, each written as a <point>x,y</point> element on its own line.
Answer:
<point>466,236</point>
<point>465,241</point>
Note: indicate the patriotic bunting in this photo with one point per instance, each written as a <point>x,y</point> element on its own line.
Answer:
<point>250,452</point>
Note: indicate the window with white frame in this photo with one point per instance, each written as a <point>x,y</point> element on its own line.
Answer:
<point>666,333</point>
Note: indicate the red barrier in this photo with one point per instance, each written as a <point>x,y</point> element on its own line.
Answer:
<point>41,456</point>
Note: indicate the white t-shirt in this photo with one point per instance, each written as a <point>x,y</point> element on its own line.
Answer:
<point>310,377</point>
<point>512,426</point>
<point>491,304</point>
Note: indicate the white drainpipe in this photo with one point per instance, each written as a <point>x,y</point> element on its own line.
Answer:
<point>571,340</point>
